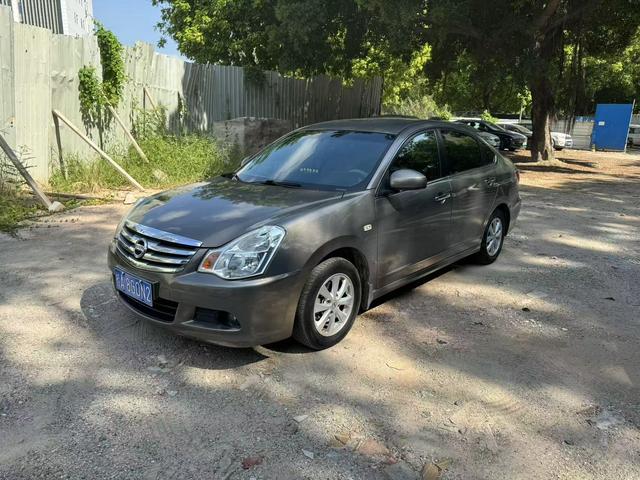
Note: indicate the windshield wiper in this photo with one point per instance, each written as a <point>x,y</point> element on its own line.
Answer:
<point>277,183</point>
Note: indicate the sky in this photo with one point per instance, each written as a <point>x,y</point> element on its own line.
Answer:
<point>132,21</point>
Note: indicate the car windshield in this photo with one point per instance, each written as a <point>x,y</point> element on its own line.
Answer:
<point>319,159</point>
<point>494,127</point>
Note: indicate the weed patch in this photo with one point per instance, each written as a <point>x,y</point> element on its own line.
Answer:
<point>173,160</point>
<point>15,208</point>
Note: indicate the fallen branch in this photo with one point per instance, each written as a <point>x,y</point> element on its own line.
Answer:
<point>79,196</point>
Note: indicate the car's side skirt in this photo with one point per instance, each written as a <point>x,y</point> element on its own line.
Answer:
<point>418,275</point>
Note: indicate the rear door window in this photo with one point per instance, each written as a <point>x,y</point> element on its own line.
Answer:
<point>463,152</point>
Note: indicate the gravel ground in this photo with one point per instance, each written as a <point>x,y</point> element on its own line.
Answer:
<point>528,368</point>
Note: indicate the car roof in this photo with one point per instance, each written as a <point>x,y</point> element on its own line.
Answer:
<point>390,125</point>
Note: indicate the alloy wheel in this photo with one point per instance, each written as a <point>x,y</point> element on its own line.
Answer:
<point>494,236</point>
<point>333,305</point>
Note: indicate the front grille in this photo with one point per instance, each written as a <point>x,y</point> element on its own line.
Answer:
<point>163,309</point>
<point>151,249</point>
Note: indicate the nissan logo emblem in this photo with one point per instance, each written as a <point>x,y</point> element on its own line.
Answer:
<point>140,248</point>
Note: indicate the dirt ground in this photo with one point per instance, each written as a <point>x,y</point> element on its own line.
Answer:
<point>525,369</point>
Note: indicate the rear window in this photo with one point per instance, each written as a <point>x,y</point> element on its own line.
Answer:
<point>463,151</point>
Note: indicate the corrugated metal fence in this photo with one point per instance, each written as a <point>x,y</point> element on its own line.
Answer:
<point>39,72</point>
<point>580,131</point>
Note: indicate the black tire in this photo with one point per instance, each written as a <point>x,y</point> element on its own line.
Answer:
<point>304,329</point>
<point>512,149</point>
<point>484,256</point>
<point>558,149</point>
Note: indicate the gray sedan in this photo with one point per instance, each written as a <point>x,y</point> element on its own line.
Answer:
<point>311,230</point>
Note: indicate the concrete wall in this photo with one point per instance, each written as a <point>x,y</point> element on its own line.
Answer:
<point>250,134</point>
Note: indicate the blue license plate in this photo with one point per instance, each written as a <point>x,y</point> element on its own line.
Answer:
<point>134,287</point>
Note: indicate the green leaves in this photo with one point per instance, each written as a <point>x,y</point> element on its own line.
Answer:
<point>299,37</point>
<point>94,94</point>
<point>90,96</point>
<point>113,75</point>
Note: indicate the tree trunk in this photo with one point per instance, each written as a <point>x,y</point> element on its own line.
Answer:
<point>541,109</point>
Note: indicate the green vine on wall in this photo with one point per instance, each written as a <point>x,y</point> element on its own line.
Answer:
<point>95,95</point>
<point>90,96</point>
<point>113,75</point>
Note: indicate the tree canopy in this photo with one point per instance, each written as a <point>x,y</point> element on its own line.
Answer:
<point>473,55</point>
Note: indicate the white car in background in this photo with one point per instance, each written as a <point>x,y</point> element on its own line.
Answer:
<point>561,140</point>
<point>633,140</point>
<point>558,139</point>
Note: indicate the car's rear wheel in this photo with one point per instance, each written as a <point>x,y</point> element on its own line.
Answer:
<point>493,239</point>
<point>328,305</point>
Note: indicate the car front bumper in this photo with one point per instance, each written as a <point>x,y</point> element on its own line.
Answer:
<point>237,313</point>
<point>517,144</point>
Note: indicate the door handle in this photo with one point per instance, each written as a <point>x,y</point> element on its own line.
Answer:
<point>442,197</point>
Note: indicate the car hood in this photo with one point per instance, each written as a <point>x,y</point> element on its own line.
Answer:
<point>218,211</point>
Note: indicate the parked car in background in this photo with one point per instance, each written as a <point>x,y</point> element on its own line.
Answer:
<point>633,140</point>
<point>559,140</point>
<point>508,140</point>
<point>490,138</point>
<point>521,129</point>
<point>312,229</point>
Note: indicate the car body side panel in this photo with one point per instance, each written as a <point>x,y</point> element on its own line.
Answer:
<point>508,193</point>
<point>413,228</point>
<point>322,231</point>
<point>473,195</point>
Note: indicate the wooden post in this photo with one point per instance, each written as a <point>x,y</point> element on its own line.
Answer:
<point>49,205</point>
<point>113,163</point>
<point>148,94</point>
<point>63,167</point>
<point>128,133</point>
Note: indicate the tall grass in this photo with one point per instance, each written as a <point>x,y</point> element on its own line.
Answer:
<point>173,160</point>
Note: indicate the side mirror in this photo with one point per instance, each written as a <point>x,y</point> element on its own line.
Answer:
<point>406,179</point>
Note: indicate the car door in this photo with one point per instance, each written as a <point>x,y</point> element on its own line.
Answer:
<point>470,165</point>
<point>413,225</point>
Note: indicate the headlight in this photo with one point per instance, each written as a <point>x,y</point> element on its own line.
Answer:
<point>120,225</point>
<point>246,256</point>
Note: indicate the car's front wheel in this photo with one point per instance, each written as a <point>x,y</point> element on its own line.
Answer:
<point>328,305</point>
<point>493,238</point>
